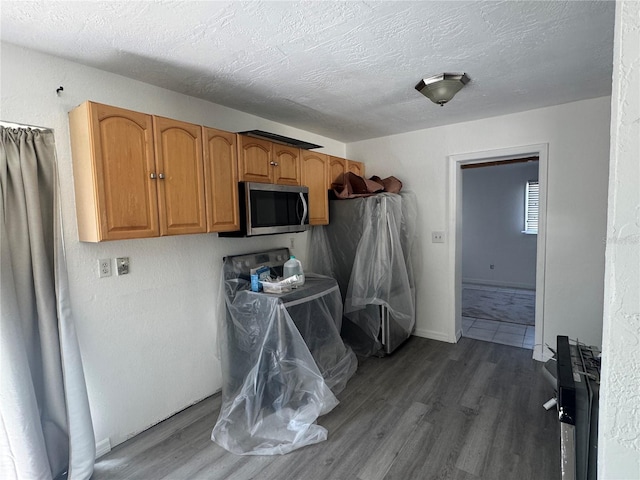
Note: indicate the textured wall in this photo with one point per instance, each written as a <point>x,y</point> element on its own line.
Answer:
<point>492,224</point>
<point>148,338</point>
<point>619,435</point>
<point>578,138</point>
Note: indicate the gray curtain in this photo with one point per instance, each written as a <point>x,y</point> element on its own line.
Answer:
<point>45,423</point>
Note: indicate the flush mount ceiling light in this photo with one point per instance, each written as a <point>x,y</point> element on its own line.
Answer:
<point>441,88</point>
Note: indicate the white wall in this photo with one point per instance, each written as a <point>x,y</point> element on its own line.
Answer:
<point>619,428</point>
<point>492,223</point>
<point>578,138</point>
<point>147,339</point>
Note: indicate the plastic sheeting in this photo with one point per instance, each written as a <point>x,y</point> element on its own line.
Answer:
<point>283,362</point>
<point>367,247</point>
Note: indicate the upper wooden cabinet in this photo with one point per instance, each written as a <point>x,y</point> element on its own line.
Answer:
<point>140,176</point>
<point>286,170</point>
<point>355,167</point>
<point>267,162</point>
<point>180,169</point>
<point>315,175</point>
<point>254,160</point>
<point>113,162</point>
<point>339,166</point>
<point>221,177</point>
<point>136,175</point>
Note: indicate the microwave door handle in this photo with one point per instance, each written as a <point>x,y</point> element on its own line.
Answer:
<point>305,209</point>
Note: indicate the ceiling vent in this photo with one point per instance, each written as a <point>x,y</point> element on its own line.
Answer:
<point>292,142</point>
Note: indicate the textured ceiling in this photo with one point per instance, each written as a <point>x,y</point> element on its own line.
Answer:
<point>346,70</point>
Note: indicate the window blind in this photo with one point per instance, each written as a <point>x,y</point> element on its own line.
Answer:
<point>531,207</point>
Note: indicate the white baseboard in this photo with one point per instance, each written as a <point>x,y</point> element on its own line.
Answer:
<point>103,447</point>
<point>433,335</point>
<point>541,353</point>
<point>497,283</point>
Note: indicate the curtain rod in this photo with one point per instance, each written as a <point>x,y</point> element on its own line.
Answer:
<point>8,124</point>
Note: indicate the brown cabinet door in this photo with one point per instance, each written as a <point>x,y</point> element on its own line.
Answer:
<point>254,162</point>
<point>315,169</point>
<point>337,167</point>
<point>181,198</point>
<point>221,180</point>
<point>113,163</point>
<point>355,167</point>
<point>286,168</point>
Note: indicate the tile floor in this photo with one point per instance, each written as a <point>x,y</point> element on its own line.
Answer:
<point>495,331</point>
<point>498,332</point>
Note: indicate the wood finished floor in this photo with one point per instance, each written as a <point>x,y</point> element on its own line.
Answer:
<point>431,410</point>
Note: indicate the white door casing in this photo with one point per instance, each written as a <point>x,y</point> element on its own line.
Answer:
<point>455,238</point>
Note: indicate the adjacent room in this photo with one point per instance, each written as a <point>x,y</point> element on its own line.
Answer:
<point>500,206</point>
<point>319,239</point>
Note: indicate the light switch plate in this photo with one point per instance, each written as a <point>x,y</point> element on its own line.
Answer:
<point>123,265</point>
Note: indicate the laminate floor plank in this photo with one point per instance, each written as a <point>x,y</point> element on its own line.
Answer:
<point>151,437</point>
<point>478,386</point>
<point>160,460</point>
<point>430,411</point>
<point>508,442</point>
<point>382,455</point>
<point>432,451</point>
<point>345,455</point>
<point>478,441</point>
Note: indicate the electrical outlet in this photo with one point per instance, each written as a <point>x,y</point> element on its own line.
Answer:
<point>437,237</point>
<point>292,243</point>
<point>123,265</point>
<point>104,267</point>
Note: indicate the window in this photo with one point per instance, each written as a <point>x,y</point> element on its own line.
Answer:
<point>531,207</point>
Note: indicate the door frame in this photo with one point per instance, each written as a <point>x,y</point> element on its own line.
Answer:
<point>540,150</point>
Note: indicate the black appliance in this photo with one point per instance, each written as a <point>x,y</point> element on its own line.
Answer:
<point>578,387</point>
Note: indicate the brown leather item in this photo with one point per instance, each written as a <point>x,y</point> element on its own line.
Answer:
<point>390,184</point>
<point>351,185</point>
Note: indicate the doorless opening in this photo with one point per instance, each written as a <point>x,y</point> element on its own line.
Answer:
<point>499,226</point>
<point>456,163</point>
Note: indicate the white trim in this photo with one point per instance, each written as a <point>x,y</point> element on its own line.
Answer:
<point>432,334</point>
<point>103,447</point>
<point>455,230</point>
<point>542,353</point>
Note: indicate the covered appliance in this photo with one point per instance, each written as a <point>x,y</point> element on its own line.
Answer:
<point>283,360</point>
<point>366,247</point>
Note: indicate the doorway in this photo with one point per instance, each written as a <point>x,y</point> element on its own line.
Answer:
<point>455,227</point>
<point>499,225</point>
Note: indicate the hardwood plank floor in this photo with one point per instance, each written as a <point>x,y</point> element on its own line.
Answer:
<point>431,410</point>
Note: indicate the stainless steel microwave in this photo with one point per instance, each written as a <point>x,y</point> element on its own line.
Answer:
<point>266,209</point>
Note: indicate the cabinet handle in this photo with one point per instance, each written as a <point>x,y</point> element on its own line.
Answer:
<point>152,176</point>
<point>275,164</point>
<point>161,176</point>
